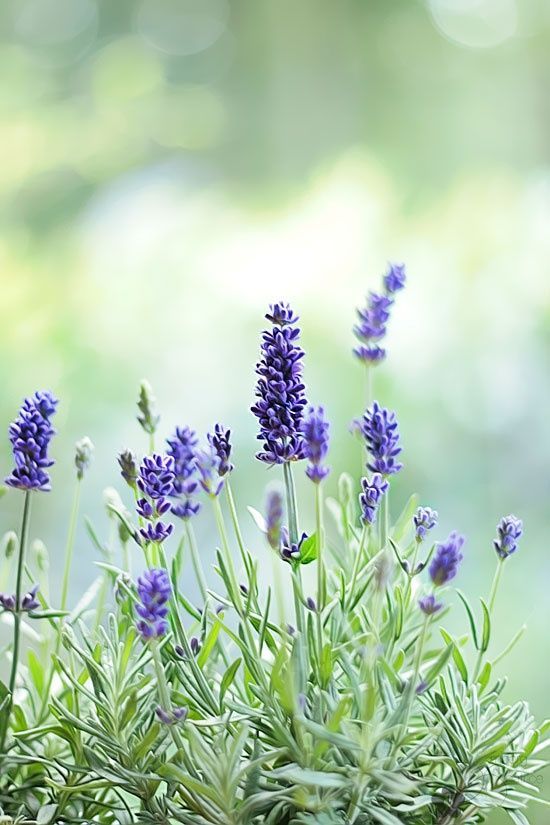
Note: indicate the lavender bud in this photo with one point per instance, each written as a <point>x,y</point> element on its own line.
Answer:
<point>10,543</point>
<point>41,555</point>
<point>221,447</point>
<point>429,605</point>
<point>128,467</point>
<point>380,431</point>
<point>310,604</point>
<point>83,456</point>
<point>147,417</point>
<point>154,590</point>
<point>444,565</point>
<point>424,519</point>
<point>509,531</point>
<point>195,645</point>
<point>371,496</point>
<point>395,278</point>
<point>280,391</point>
<point>171,717</point>
<point>30,435</point>
<point>315,440</point>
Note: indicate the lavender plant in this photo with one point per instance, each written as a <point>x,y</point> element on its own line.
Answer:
<point>353,705</point>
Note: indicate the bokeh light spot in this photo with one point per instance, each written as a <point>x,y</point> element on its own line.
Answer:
<point>181,27</point>
<point>479,24</point>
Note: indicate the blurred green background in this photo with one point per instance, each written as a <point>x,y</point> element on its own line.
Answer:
<point>171,166</point>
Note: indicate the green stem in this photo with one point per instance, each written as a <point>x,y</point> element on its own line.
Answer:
<point>384,519</point>
<point>163,690</point>
<point>17,613</point>
<point>69,547</point>
<point>414,678</point>
<point>358,557</point>
<point>296,575</point>
<point>196,560</point>
<point>490,605</point>
<point>236,525</point>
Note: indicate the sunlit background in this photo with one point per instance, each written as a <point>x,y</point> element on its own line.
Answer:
<point>171,166</point>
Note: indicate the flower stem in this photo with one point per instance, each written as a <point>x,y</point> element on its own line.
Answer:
<point>195,558</point>
<point>17,613</point>
<point>491,605</point>
<point>69,548</point>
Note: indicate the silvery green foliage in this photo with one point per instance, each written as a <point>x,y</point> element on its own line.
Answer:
<point>321,728</point>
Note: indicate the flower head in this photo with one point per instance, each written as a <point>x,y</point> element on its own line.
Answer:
<point>380,430</point>
<point>370,354</point>
<point>280,391</point>
<point>429,605</point>
<point>148,417</point>
<point>182,447</point>
<point>509,531</point>
<point>395,278</point>
<point>444,565</point>
<point>274,518</point>
<point>221,446</point>
<point>371,496</point>
<point>156,482</point>
<point>316,439</point>
<point>154,590</point>
<point>425,519</point>
<point>30,435</point>
<point>128,467</point>
<point>83,456</point>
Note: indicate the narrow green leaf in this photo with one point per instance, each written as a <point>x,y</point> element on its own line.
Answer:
<point>486,635</point>
<point>227,679</point>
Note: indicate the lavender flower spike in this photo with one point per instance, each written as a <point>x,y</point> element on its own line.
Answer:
<point>380,430</point>
<point>444,565</point>
<point>182,447</point>
<point>274,519</point>
<point>30,435</point>
<point>425,519</point>
<point>280,391</point>
<point>509,530</point>
<point>429,605</point>
<point>371,496</point>
<point>316,440</point>
<point>156,482</point>
<point>221,446</point>
<point>154,590</point>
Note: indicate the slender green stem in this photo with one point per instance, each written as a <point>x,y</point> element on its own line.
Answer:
<point>69,547</point>
<point>358,557</point>
<point>163,690</point>
<point>151,443</point>
<point>196,560</point>
<point>236,595</point>
<point>384,519</point>
<point>236,525</point>
<point>319,527</point>
<point>416,671</point>
<point>296,575</point>
<point>291,502</point>
<point>490,605</point>
<point>25,521</point>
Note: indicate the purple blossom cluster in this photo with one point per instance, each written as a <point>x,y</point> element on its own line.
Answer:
<point>315,431</point>
<point>30,435</point>
<point>156,482</point>
<point>280,390</point>
<point>425,519</point>
<point>154,591</point>
<point>373,318</point>
<point>182,447</point>
<point>444,565</point>
<point>371,495</point>
<point>509,532</point>
<point>380,431</point>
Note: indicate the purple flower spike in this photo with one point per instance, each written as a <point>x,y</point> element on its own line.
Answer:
<point>316,439</point>
<point>221,446</point>
<point>274,518</point>
<point>280,391</point>
<point>154,590</point>
<point>182,447</point>
<point>156,482</point>
<point>444,565</point>
<point>370,354</point>
<point>30,435</point>
<point>395,278</point>
<point>429,605</point>
<point>425,519</point>
<point>509,530</point>
<point>380,430</point>
<point>157,532</point>
<point>371,497</point>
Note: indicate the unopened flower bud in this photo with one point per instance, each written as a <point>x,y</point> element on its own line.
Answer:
<point>148,417</point>
<point>10,543</point>
<point>83,456</point>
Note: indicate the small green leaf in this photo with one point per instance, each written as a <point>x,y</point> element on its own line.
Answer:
<point>308,550</point>
<point>228,677</point>
<point>209,644</point>
<point>485,675</point>
<point>486,635</point>
<point>471,619</point>
<point>46,814</point>
<point>528,749</point>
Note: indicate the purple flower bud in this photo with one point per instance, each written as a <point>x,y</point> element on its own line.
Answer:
<point>310,604</point>
<point>373,319</point>
<point>444,565</point>
<point>429,605</point>
<point>509,530</point>
<point>28,603</point>
<point>173,716</point>
<point>182,447</point>
<point>315,434</point>
<point>8,602</point>
<point>424,519</point>
<point>370,354</point>
<point>274,518</point>
<point>371,496</point>
<point>154,590</point>
<point>280,391</point>
<point>289,550</point>
<point>30,435</point>
<point>128,467</point>
<point>195,645</point>
<point>395,278</point>
<point>221,446</point>
<point>379,427</point>
<point>156,533</point>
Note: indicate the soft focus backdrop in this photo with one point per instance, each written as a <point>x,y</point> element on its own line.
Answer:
<point>171,166</point>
